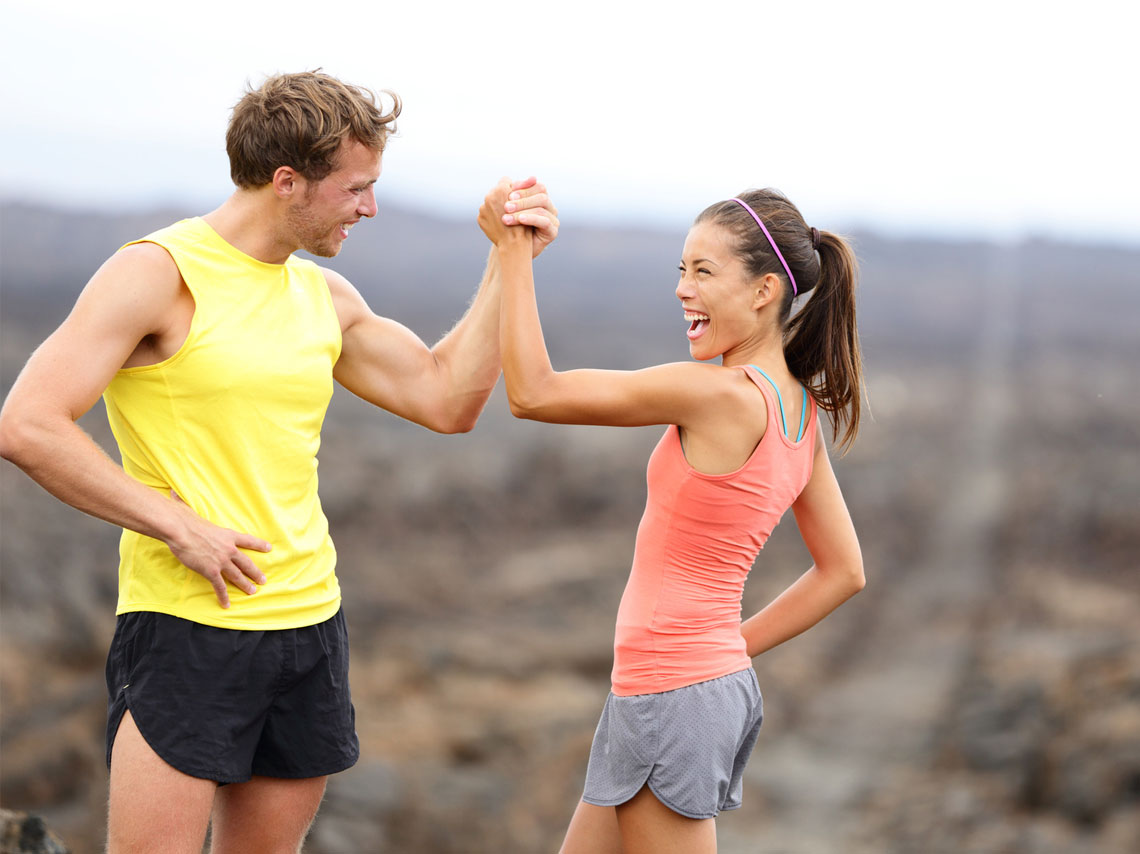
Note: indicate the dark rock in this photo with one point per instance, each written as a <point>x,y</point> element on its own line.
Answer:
<point>27,834</point>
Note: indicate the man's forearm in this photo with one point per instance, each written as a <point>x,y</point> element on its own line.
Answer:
<point>68,463</point>
<point>468,355</point>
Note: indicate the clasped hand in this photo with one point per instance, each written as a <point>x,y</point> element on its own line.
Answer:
<point>519,206</point>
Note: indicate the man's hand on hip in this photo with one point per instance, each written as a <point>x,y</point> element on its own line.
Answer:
<point>215,553</point>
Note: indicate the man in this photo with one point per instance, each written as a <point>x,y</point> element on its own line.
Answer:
<point>215,350</point>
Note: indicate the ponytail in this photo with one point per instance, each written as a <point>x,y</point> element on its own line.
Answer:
<point>821,341</point>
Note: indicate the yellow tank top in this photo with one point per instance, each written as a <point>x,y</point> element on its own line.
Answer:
<point>232,424</point>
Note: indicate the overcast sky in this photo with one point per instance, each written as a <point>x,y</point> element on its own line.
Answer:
<point>991,119</point>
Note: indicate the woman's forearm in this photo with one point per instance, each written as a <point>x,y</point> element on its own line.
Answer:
<point>526,363</point>
<point>812,597</point>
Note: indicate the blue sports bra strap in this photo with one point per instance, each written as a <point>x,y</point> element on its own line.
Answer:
<point>779,399</point>
<point>803,414</point>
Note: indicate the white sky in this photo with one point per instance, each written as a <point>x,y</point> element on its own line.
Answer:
<point>992,119</point>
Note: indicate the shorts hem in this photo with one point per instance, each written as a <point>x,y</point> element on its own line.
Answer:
<point>676,809</point>
<point>333,768</point>
<point>198,773</point>
<point>600,803</point>
<point>227,778</point>
<point>617,802</point>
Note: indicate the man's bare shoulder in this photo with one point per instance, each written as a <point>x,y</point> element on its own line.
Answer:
<point>138,291</point>
<point>349,304</point>
<point>144,261</point>
<point>338,284</point>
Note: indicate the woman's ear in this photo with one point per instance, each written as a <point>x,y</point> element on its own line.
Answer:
<point>764,290</point>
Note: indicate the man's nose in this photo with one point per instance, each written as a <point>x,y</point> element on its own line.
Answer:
<point>367,206</point>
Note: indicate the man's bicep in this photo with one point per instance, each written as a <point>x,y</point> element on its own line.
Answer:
<point>388,365</point>
<point>381,360</point>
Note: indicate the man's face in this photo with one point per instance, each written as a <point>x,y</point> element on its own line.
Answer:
<point>321,218</point>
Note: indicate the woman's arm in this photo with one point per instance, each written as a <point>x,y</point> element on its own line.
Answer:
<point>837,574</point>
<point>680,393</point>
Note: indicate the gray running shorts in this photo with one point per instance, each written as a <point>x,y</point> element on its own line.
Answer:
<point>690,745</point>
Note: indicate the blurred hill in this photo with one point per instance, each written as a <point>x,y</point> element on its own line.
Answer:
<point>982,695</point>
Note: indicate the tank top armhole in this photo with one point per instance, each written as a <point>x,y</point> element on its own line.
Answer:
<point>329,302</point>
<point>195,297</point>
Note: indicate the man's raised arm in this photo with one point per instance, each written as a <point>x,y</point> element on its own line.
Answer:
<point>445,387</point>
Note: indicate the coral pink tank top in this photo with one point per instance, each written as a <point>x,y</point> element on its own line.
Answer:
<point>679,619</point>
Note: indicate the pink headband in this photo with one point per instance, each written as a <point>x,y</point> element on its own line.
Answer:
<point>775,248</point>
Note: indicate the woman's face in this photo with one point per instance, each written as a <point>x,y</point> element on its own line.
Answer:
<point>716,293</point>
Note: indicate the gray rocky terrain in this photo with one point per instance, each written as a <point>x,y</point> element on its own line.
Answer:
<point>981,695</point>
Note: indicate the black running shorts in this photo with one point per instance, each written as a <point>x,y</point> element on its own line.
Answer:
<point>224,705</point>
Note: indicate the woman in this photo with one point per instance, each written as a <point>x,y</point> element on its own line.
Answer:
<point>743,444</point>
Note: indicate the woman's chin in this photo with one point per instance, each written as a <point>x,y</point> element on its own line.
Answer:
<point>701,354</point>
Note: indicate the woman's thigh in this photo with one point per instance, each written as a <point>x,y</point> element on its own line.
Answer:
<point>647,826</point>
<point>593,830</point>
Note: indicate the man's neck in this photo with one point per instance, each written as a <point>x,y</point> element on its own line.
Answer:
<point>249,220</point>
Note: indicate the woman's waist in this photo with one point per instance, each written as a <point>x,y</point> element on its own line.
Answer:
<point>645,646</point>
<point>696,634</point>
<point>649,662</point>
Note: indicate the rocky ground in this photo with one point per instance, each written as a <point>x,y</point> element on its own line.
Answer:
<point>981,695</point>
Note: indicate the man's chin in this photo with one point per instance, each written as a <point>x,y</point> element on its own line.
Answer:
<point>323,250</point>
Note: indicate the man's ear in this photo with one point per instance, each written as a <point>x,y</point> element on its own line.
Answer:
<point>287,181</point>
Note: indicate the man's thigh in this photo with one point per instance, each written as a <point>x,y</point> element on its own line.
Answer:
<point>269,815</point>
<point>143,786</point>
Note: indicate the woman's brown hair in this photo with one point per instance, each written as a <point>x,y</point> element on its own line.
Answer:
<point>821,340</point>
